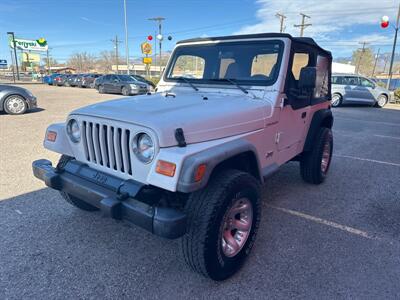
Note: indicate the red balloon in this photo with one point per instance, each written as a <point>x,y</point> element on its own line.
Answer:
<point>384,24</point>
<point>150,37</point>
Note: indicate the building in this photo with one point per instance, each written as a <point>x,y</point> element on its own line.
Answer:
<point>343,68</point>
<point>138,69</point>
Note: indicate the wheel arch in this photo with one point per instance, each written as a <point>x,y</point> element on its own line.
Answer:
<point>321,118</point>
<point>239,154</point>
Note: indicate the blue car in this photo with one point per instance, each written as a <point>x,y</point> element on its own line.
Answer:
<point>50,78</point>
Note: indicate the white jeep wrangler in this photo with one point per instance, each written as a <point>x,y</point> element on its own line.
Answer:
<point>189,160</point>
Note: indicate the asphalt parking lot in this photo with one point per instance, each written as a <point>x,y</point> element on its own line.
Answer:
<point>337,240</point>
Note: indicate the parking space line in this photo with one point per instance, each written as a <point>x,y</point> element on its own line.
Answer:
<point>387,136</point>
<point>325,222</point>
<point>370,121</point>
<point>369,160</point>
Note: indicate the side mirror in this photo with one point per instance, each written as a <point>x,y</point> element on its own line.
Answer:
<point>308,78</point>
<point>116,80</point>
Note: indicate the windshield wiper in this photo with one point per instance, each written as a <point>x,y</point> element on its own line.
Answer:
<point>232,81</point>
<point>188,82</point>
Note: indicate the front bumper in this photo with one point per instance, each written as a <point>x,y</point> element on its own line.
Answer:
<point>32,102</point>
<point>113,196</point>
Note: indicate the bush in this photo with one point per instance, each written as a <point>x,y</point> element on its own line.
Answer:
<point>154,80</point>
<point>381,84</point>
<point>397,94</point>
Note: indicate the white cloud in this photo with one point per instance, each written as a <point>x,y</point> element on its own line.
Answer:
<point>326,16</point>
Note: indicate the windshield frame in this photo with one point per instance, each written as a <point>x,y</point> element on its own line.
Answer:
<point>222,81</point>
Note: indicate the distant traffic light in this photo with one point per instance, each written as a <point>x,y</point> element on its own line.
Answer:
<point>385,21</point>
<point>149,37</point>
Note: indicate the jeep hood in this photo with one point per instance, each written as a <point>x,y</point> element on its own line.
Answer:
<point>221,115</point>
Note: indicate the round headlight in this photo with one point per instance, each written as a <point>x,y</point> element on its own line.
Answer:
<point>144,147</point>
<point>74,131</point>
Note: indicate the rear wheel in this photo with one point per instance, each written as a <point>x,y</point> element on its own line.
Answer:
<point>223,220</point>
<point>314,164</point>
<point>15,105</point>
<point>68,197</point>
<point>381,101</point>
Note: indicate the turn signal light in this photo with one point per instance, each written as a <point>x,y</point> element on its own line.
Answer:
<point>201,170</point>
<point>165,168</point>
<point>51,136</point>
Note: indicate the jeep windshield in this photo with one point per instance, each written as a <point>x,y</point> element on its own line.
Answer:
<point>241,63</point>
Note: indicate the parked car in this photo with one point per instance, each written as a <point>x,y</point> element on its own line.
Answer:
<point>189,160</point>
<point>347,88</point>
<point>88,80</point>
<point>142,79</point>
<point>120,84</point>
<point>50,78</point>
<point>71,80</point>
<point>59,80</point>
<point>15,100</point>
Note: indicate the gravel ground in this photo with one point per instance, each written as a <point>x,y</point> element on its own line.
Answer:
<point>337,240</point>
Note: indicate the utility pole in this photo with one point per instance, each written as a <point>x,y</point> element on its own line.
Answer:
<point>303,24</point>
<point>13,64</point>
<point>386,60</point>
<point>282,18</point>
<point>15,51</point>
<point>159,36</point>
<point>116,42</point>
<point>396,29</point>
<point>48,61</point>
<point>126,39</point>
<point>361,56</point>
<point>376,60</point>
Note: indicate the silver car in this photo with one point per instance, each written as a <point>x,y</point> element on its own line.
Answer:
<point>347,88</point>
<point>16,100</point>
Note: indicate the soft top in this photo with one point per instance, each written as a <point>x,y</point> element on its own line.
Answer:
<point>304,40</point>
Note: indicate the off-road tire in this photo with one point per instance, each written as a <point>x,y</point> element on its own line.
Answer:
<point>381,101</point>
<point>205,209</point>
<point>310,162</point>
<point>69,198</point>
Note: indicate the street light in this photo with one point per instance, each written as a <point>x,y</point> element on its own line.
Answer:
<point>15,51</point>
<point>126,39</point>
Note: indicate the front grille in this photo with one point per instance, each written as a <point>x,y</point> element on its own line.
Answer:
<point>107,146</point>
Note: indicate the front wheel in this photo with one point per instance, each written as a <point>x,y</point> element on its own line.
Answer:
<point>381,101</point>
<point>101,89</point>
<point>314,164</point>
<point>15,105</point>
<point>336,100</point>
<point>125,91</point>
<point>68,197</point>
<point>223,220</point>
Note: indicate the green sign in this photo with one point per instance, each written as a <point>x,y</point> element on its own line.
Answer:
<point>30,45</point>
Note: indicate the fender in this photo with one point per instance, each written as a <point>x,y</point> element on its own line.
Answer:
<point>212,157</point>
<point>321,118</point>
<point>61,145</point>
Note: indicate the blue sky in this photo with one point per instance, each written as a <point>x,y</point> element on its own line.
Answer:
<point>89,25</point>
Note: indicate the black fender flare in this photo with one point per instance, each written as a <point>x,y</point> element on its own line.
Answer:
<point>212,157</point>
<point>321,118</point>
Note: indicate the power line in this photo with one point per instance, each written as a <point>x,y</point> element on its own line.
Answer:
<point>303,24</point>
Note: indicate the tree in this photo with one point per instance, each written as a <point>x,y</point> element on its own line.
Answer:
<point>83,62</point>
<point>52,62</point>
<point>365,59</point>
